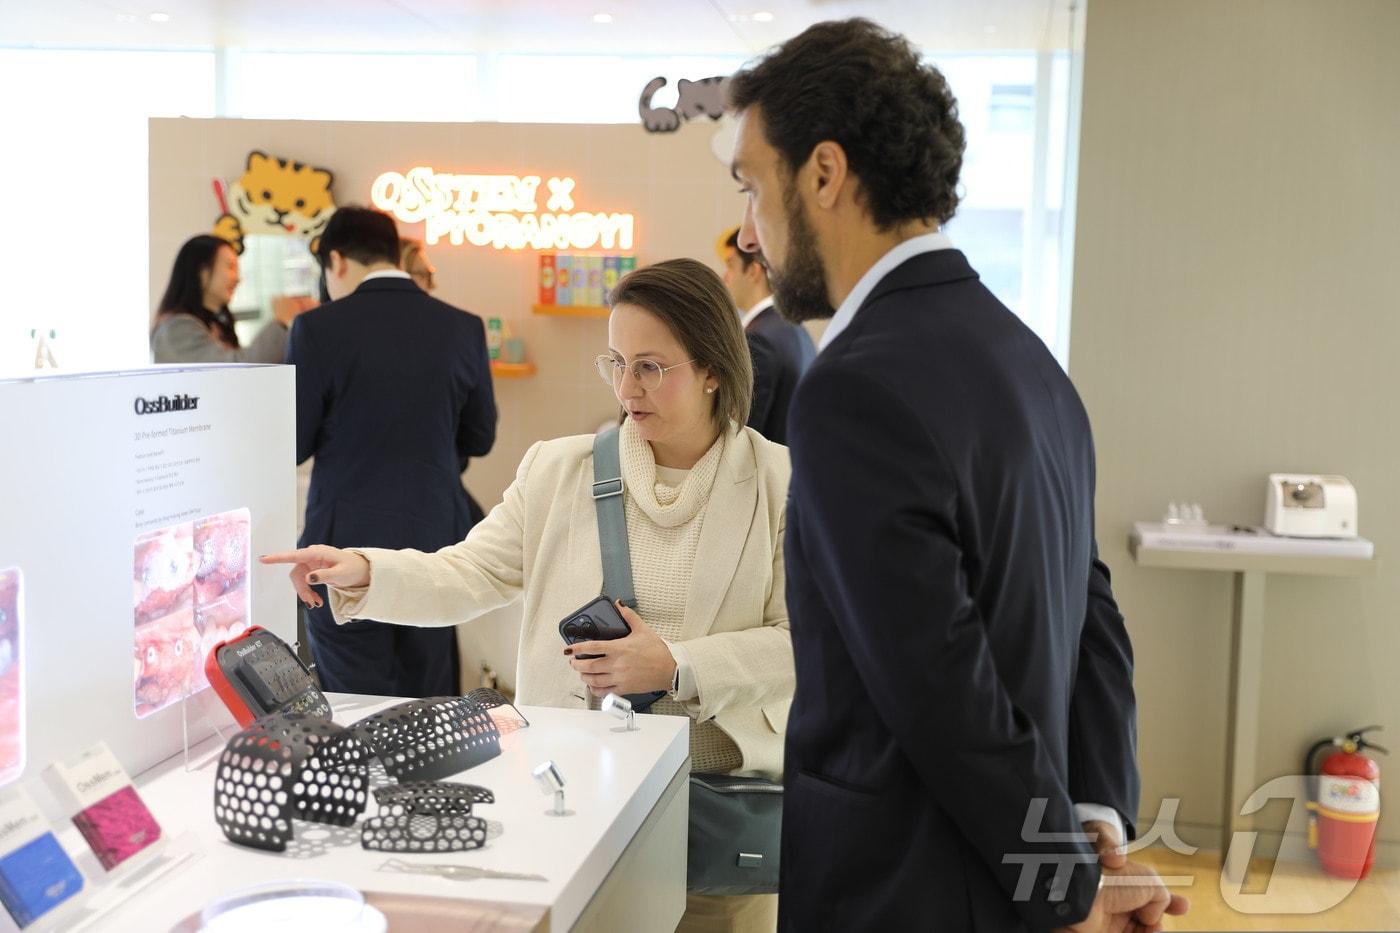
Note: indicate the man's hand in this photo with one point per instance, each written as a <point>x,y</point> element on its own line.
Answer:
<point>1133,899</point>
<point>1106,843</point>
<point>286,308</point>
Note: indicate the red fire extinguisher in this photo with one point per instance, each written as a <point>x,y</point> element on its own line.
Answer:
<point>1344,804</point>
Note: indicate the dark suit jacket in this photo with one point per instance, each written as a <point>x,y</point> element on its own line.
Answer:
<point>959,653</point>
<point>393,388</point>
<point>781,354</point>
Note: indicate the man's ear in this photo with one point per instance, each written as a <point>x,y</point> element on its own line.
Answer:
<point>755,274</point>
<point>828,173</point>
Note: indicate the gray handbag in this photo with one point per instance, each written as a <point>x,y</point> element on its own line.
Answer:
<point>735,822</point>
<point>735,828</point>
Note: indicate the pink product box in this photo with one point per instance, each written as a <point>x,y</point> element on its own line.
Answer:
<point>106,807</point>
<point>117,827</point>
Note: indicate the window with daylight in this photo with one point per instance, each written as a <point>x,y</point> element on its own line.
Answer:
<point>81,159</point>
<point>1012,222</point>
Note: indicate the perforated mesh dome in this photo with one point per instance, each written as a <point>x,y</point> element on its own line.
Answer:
<point>428,739</point>
<point>285,767</point>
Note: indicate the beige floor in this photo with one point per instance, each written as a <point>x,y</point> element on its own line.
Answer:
<point>1374,904</point>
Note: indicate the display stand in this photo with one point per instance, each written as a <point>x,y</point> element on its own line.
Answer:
<point>187,451</point>
<point>1246,660</point>
<point>619,863</point>
<point>103,891</point>
<point>116,888</point>
<point>211,720</point>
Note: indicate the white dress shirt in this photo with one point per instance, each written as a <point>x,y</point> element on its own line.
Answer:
<point>908,249</point>
<point>914,246</point>
<point>386,274</point>
<point>747,318</point>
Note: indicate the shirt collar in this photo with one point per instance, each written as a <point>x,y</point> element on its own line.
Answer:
<point>386,274</point>
<point>905,250</point>
<point>755,311</point>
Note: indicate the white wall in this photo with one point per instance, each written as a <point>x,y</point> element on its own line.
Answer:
<point>1236,311</point>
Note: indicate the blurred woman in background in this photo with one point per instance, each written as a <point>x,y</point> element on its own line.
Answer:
<point>193,323</point>
<point>413,259</point>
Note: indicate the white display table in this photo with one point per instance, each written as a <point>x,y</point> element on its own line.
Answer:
<point>617,863</point>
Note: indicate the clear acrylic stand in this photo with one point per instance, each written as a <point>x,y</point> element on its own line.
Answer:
<point>103,892</point>
<point>205,718</point>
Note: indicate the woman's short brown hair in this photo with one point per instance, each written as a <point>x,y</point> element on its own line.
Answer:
<point>691,300</point>
<point>408,248</point>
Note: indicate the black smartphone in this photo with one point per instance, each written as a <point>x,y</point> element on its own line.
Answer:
<point>597,620</point>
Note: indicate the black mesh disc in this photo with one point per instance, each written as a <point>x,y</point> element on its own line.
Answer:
<point>397,829</point>
<point>434,796</point>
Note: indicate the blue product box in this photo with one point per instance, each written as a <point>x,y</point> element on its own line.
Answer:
<point>36,878</point>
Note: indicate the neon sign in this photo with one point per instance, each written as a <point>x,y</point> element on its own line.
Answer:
<point>498,210</point>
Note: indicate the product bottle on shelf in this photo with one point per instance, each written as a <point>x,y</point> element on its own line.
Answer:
<point>595,280</point>
<point>563,279</point>
<point>610,276</point>
<point>43,348</point>
<point>546,278</point>
<point>493,338</point>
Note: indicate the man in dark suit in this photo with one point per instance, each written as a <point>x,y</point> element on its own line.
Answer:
<point>964,677</point>
<point>781,351</point>
<point>393,391</point>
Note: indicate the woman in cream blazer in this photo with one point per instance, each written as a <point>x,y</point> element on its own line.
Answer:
<point>542,542</point>
<point>704,502</point>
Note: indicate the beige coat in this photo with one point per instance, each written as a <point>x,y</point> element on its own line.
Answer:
<point>542,541</point>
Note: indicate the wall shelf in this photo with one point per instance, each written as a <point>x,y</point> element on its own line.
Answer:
<point>503,370</point>
<point>573,310</point>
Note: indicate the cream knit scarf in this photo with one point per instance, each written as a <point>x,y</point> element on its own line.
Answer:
<point>667,506</point>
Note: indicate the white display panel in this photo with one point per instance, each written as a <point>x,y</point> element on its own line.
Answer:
<point>11,674</point>
<point>134,509</point>
<point>191,594</point>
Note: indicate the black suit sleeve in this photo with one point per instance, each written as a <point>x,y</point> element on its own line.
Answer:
<point>1103,709</point>
<point>312,389</point>
<point>876,507</point>
<point>476,427</point>
<point>765,380</point>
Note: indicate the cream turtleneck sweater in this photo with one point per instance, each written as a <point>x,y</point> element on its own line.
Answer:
<point>665,511</point>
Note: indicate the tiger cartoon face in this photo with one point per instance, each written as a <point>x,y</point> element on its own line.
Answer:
<point>277,196</point>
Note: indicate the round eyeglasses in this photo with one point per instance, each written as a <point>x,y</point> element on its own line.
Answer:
<point>648,373</point>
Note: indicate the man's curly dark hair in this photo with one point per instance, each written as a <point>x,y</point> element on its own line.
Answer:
<point>861,86</point>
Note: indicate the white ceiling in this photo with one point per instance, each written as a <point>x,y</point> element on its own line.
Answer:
<point>673,27</point>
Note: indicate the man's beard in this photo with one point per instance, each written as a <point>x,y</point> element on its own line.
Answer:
<point>799,290</point>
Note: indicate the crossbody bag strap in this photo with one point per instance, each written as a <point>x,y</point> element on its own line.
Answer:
<point>612,518</point>
<point>612,539</point>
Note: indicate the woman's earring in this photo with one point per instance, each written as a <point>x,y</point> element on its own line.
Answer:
<point>708,391</point>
